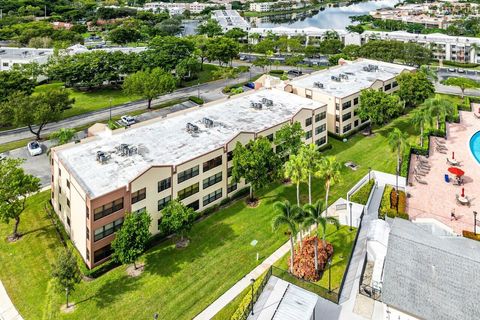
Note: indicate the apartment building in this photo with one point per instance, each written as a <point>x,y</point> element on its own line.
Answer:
<point>186,155</point>
<point>229,19</point>
<point>340,87</point>
<point>276,6</point>
<point>180,7</point>
<point>12,56</point>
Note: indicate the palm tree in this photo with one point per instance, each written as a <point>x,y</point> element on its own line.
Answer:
<point>294,170</point>
<point>310,157</point>
<point>330,172</point>
<point>314,217</point>
<point>420,117</point>
<point>286,217</point>
<point>439,108</point>
<point>398,142</point>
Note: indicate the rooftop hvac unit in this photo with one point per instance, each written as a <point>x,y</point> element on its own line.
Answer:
<point>208,122</point>
<point>343,76</point>
<point>191,128</point>
<point>267,102</point>
<point>2,51</point>
<point>256,105</point>
<point>318,85</point>
<point>102,157</point>
<point>371,68</point>
<point>335,78</point>
<point>126,150</point>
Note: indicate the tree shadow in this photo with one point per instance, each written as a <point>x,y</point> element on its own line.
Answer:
<point>113,289</point>
<point>166,259</point>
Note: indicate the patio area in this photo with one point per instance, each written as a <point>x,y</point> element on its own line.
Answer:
<point>430,195</point>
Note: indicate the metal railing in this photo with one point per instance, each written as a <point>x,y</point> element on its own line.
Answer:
<point>256,295</point>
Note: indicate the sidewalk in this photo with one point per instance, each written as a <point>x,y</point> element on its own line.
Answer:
<point>7,309</point>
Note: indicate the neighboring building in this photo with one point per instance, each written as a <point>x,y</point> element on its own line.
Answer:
<point>12,56</point>
<point>276,6</point>
<point>340,87</point>
<point>185,156</point>
<point>180,7</point>
<point>430,276</point>
<point>229,19</point>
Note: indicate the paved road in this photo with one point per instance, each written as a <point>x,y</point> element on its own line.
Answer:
<point>440,88</point>
<point>208,91</point>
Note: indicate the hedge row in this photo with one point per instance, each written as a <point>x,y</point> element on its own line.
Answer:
<point>471,235</point>
<point>362,194</point>
<point>247,300</point>
<point>461,64</point>
<point>386,207</point>
<point>197,100</point>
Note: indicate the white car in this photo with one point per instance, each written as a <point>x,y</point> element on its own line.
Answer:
<point>128,120</point>
<point>34,148</point>
<point>452,69</point>
<point>461,71</point>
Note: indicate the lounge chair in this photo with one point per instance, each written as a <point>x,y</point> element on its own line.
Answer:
<point>477,115</point>
<point>441,150</point>
<point>424,165</point>
<point>453,162</point>
<point>419,180</point>
<point>418,172</point>
<point>422,169</point>
<point>440,141</point>
<point>441,146</point>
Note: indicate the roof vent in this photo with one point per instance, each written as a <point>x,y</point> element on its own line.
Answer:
<point>102,157</point>
<point>208,122</point>
<point>256,105</point>
<point>267,102</point>
<point>371,68</point>
<point>335,78</point>
<point>318,85</point>
<point>126,150</point>
<point>2,51</point>
<point>191,128</point>
<point>343,76</point>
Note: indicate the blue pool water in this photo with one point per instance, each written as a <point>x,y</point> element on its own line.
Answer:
<point>475,146</point>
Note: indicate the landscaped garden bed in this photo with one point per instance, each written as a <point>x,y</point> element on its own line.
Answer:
<point>390,201</point>
<point>361,195</point>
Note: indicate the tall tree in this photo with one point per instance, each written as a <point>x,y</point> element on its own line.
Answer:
<point>167,52</point>
<point>286,217</point>
<point>414,88</point>
<point>420,118</point>
<point>439,108</point>
<point>295,171</point>
<point>310,157</point>
<point>177,218</point>
<point>378,107</point>
<point>15,186</point>
<point>210,28</point>
<point>289,139</point>
<point>149,84</point>
<point>12,81</point>
<point>222,49</point>
<point>63,135</point>
<point>256,163</point>
<point>398,142</point>
<point>66,272</point>
<point>131,239</point>
<point>314,217</point>
<point>330,172</point>
<point>36,111</point>
<point>462,83</point>
<point>236,34</point>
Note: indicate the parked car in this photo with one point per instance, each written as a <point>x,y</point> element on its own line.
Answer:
<point>128,120</point>
<point>34,148</point>
<point>452,69</point>
<point>250,85</point>
<point>461,71</point>
<point>294,73</point>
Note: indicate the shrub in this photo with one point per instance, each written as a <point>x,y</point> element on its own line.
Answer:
<point>388,209</point>
<point>197,100</point>
<point>461,64</point>
<point>247,300</point>
<point>471,235</point>
<point>362,194</point>
<point>304,259</point>
<point>235,91</point>
<point>277,72</point>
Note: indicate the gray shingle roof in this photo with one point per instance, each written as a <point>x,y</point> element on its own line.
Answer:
<point>431,277</point>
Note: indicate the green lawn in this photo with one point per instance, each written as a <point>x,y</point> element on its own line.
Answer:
<point>176,283</point>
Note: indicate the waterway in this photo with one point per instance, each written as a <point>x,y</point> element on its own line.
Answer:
<point>331,17</point>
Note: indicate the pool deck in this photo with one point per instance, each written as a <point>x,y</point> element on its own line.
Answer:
<point>436,199</point>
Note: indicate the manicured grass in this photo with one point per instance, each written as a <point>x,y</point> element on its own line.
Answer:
<point>15,144</point>
<point>362,194</point>
<point>205,75</point>
<point>178,284</point>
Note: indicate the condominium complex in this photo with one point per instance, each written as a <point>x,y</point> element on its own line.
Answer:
<point>277,6</point>
<point>340,89</point>
<point>229,19</point>
<point>186,155</point>
<point>16,56</point>
<point>180,7</point>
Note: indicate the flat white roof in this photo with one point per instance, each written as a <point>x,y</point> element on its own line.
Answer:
<point>353,77</point>
<point>167,141</point>
<point>24,53</point>
<point>230,19</point>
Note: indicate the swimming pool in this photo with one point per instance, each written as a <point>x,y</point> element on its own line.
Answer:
<point>475,146</point>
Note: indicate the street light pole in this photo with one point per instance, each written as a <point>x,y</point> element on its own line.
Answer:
<point>329,275</point>
<point>198,89</point>
<point>351,227</point>
<point>369,170</point>
<point>475,222</point>
<point>110,109</point>
<point>253,282</point>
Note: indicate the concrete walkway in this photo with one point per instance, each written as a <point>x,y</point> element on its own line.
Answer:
<point>7,309</point>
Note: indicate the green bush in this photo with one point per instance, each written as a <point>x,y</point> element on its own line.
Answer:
<point>386,207</point>
<point>276,72</point>
<point>235,91</point>
<point>326,147</point>
<point>247,299</point>
<point>197,100</point>
<point>471,235</point>
<point>461,64</point>
<point>362,194</point>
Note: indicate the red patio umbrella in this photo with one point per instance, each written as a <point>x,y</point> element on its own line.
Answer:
<point>456,171</point>
<point>463,192</point>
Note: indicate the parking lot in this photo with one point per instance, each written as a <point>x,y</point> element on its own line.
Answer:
<point>445,73</point>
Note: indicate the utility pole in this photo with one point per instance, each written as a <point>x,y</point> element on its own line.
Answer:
<point>45,11</point>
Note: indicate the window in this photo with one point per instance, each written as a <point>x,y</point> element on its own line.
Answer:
<point>102,253</point>
<point>355,101</point>
<point>68,203</point>
<point>162,203</point>
<point>88,255</point>
<point>321,141</point>
<point>308,93</point>
<point>308,134</point>
<point>188,191</point>
<point>194,205</point>
<point>308,122</point>
<point>59,189</point>
<point>107,209</point>
<point>355,123</point>
<point>337,118</point>
<point>346,116</point>
<point>68,184</point>
<point>270,137</point>
<point>52,178</point>
<point>5,64</point>
<point>210,181</point>
<point>187,174</point>
<point>388,87</point>
<point>231,187</point>
<point>229,155</point>
<point>87,212</point>
<point>88,234</point>
<point>68,221</point>
<point>355,112</point>
<point>53,195</point>
<point>59,172</point>
<point>337,106</point>
<point>210,164</point>
<point>209,198</point>
<point>347,105</point>
<point>164,184</point>
<point>320,129</point>
<point>139,195</point>
<point>320,116</point>
<point>229,172</point>
<point>347,128</point>
<point>159,224</point>
<point>337,130</point>
<point>140,210</point>
<point>108,229</point>
<point>394,84</point>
